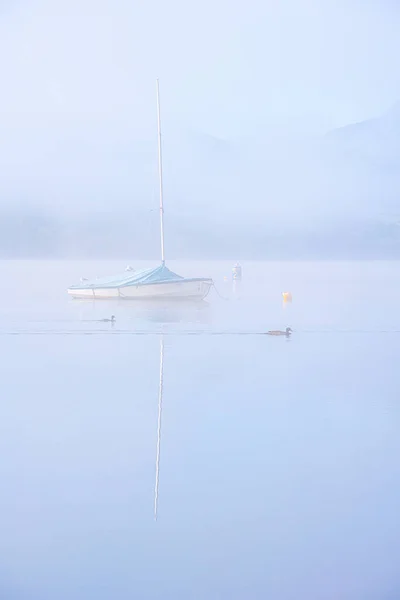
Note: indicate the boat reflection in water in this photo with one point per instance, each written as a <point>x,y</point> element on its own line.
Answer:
<point>159,421</point>
<point>129,316</point>
<point>184,312</point>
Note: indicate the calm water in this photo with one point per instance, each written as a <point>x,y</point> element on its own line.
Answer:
<point>279,470</point>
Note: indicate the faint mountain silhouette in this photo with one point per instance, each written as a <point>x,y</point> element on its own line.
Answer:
<point>267,195</point>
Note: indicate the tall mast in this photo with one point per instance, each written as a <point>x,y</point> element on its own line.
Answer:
<point>160,174</point>
<point>160,399</point>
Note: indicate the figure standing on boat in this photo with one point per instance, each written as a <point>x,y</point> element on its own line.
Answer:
<point>237,272</point>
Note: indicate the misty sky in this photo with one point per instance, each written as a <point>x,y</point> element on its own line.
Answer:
<point>78,78</point>
<point>225,66</point>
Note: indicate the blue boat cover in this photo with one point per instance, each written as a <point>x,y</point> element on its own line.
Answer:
<point>160,274</point>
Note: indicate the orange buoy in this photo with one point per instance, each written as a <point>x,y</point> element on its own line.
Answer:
<point>287,296</point>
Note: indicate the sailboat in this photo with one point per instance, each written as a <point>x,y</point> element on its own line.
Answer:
<point>157,283</point>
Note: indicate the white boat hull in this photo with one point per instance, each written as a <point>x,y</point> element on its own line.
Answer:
<point>178,290</point>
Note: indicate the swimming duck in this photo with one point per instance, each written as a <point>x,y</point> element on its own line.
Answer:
<point>287,332</point>
<point>112,320</point>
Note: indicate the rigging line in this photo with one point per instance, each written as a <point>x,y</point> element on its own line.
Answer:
<point>218,294</point>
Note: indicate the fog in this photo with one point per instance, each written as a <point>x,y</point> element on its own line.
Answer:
<point>280,128</point>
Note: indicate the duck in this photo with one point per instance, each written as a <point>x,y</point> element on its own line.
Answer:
<point>112,320</point>
<point>287,332</point>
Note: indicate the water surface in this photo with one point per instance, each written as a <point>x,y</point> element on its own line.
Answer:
<point>279,471</point>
